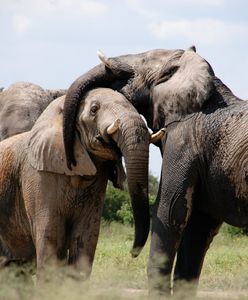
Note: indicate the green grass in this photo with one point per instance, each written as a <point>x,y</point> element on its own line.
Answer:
<point>226,263</point>
<point>113,257</point>
<point>116,275</point>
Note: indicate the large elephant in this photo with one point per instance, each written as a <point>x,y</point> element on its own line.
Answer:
<point>204,177</point>
<point>47,210</point>
<point>20,106</point>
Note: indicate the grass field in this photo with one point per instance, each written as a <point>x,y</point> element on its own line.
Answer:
<point>118,276</point>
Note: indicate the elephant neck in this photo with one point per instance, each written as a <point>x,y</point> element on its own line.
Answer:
<point>163,118</point>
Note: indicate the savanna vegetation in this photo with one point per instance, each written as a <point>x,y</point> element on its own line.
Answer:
<point>117,206</point>
<point>116,275</point>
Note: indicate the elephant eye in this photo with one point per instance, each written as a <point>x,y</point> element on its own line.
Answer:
<point>94,108</point>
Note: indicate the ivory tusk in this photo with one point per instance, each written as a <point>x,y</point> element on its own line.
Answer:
<point>155,137</point>
<point>113,127</point>
<point>103,58</point>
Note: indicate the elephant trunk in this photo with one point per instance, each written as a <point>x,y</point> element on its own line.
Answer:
<point>133,142</point>
<point>99,76</point>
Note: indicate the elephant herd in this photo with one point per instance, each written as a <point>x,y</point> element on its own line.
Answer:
<point>57,155</point>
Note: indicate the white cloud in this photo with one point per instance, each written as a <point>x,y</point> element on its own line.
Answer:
<point>20,24</point>
<point>141,8</point>
<point>41,7</point>
<point>206,2</point>
<point>204,31</point>
<point>92,8</point>
<point>85,7</point>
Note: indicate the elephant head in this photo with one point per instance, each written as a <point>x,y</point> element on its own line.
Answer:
<point>107,126</point>
<point>20,106</point>
<point>163,85</point>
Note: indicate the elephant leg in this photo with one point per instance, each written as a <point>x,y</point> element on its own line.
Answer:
<point>50,245</point>
<point>4,259</point>
<point>45,248</point>
<point>161,258</point>
<point>167,230</point>
<point>44,196</point>
<point>84,239</point>
<point>172,212</point>
<point>195,242</point>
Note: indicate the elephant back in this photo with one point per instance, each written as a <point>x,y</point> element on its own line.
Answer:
<point>20,106</point>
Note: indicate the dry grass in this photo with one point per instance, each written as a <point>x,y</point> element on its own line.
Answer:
<point>118,276</point>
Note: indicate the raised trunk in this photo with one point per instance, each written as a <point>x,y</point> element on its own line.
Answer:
<point>133,142</point>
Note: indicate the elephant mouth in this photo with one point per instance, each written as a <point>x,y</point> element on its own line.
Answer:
<point>101,146</point>
<point>106,149</point>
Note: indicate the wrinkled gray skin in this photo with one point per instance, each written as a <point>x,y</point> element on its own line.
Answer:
<point>20,106</point>
<point>204,177</point>
<point>46,209</point>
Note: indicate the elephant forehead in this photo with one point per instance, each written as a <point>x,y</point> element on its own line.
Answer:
<point>106,97</point>
<point>159,54</point>
<point>155,59</point>
<point>103,93</point>
<point>150,56</point>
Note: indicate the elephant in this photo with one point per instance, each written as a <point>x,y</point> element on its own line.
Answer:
<point>204,174</point>
<point>49,212</point>
<point>20,106</point>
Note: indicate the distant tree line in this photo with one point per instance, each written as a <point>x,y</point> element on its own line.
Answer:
<point>117,206</point>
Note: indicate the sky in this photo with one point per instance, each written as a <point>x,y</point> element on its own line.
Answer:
<point>52,42</point>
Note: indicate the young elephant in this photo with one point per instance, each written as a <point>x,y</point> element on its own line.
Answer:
<point>51,211</point>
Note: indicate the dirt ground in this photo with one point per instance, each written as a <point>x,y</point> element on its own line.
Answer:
<point>217,294</point>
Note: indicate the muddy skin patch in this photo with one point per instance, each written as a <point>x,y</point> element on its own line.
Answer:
<point>8,186</point>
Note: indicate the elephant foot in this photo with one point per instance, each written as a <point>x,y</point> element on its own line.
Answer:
<point>4,261</point>
<point>159,284</point>
<point>158,294</point>
<point>185,289</point>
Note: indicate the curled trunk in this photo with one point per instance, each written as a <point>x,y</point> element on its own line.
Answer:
<point>99,76</point>
<point>132,139</point>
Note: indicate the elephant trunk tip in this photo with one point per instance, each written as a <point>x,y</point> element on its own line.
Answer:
<point>135,251</point>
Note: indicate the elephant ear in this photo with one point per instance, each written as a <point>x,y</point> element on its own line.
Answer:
<point>182,87</point>
<point>46,148</point>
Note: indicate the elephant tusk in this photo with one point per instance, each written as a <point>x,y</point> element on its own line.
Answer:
<point>113,127</point>
<point>103,58</point>
<point>155,137</point>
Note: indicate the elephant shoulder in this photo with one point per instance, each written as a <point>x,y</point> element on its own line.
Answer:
<point>15,142</point>
<point>15,146</point>
<point>12,152</point>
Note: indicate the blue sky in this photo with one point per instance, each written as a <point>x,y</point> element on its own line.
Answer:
<point>52,42</point>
